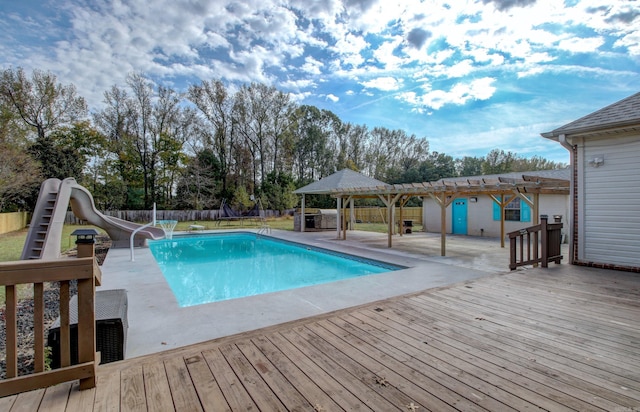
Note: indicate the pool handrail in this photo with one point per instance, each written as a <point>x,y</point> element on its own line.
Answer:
<point>133,234</point>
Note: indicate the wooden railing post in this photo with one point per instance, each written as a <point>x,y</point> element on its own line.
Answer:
<point>512,253</point>
<point>87,329</point>
<point>545,241</point>
<point>11,319</point>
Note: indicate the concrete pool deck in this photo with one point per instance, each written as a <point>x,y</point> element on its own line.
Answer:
<point>157,323</point>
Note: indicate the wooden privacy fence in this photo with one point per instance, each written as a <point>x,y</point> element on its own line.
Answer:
<point>179,215</point>
<point>37,272</point>
<point>542,244</point>
<point>10,222</point>
<point>378,214</point>
<point>362,214</point>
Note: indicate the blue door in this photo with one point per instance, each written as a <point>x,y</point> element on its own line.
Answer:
<point>459,216</point>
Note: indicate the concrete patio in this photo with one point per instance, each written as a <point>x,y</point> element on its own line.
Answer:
<point>157,323</point>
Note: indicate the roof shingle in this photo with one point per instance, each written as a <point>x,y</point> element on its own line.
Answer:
<point>625,112</point>
<point>344,179</point>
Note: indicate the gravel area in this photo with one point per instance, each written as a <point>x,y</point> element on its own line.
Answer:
<point>25,316</point>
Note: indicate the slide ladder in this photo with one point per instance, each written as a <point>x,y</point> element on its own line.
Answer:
<point>47,223</point>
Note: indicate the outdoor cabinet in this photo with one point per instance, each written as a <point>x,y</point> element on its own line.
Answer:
<point>111,328</point>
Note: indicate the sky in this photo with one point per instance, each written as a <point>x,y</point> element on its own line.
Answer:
<point>469,76</point>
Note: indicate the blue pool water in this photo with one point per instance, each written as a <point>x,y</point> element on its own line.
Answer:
<point>226,266</point>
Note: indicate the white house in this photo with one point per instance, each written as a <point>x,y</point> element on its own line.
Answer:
<point>605,185</point>
<point>479,215</point>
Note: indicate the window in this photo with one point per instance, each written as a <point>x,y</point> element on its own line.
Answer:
<point>512,210</point>
<point>515,211</point>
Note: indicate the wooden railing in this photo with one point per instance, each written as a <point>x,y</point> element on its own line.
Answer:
<point>37,272</point>
<point>536,244</point>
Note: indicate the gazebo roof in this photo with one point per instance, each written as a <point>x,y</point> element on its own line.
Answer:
<point>344,179</point>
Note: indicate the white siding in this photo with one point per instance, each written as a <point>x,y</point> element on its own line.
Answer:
<point>480,215</point>
<point>611,202</point>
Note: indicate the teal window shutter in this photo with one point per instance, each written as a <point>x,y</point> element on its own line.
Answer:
<point>496,208</point>
<point>525,211</point>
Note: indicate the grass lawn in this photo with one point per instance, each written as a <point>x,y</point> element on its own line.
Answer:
<point>11,245</point>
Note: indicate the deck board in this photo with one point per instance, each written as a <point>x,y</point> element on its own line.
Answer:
<point>564,338</point>
<point>206,384</point>
<point>156,386</point>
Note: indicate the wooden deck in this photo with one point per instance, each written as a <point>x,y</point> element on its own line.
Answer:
<point>563,338</point>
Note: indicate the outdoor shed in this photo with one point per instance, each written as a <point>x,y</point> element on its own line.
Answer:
<point>479,215</point>
<point>605,147</point>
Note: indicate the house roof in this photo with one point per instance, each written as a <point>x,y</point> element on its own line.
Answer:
<point>344,179</point>
<point>624,114</point>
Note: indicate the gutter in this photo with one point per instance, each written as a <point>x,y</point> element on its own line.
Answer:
<point>562,139</point>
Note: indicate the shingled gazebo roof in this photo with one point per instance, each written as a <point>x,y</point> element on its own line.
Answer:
<point>344,179</point>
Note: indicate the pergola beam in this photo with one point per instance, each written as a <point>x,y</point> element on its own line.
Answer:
<point>445,192</point>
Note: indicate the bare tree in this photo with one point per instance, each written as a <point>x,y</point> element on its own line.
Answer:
<point>252,117</point>
<point>216,105</point>
<point>40,102</point>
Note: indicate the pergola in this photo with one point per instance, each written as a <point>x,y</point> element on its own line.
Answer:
<point>501,190</point>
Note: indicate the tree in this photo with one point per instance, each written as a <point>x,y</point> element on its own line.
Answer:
<point>241,199</point>
<point>56,159</point>
<point>280,108</point>
<point>469,166</point>
<point>498,161</point>
<point>313,130</point>
<point>216,105</point>
<point>198,185</point>
<point>262,117</point>
<point>277,191</point>
<point>114,121</point>
<point>41,103</point>
<point>391,153</point>
<point>19,178</point>
<point>437,166</point>
<point>142,129</point>
<point>535,163</point>
<point>356,136</point>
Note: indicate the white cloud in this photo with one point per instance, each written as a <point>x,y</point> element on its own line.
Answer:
<point>349,48</point>
<point>384,83</point>
<point>385,54</point>
<point>312,66</point>
<point>581,45</point>
<point>460,69</point>
<point>332,97</point>
<point>297,84</point>
<point>459,94</point>
<point>631,42</point>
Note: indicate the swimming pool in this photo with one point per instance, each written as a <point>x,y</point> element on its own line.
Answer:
<point>218,267</point>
